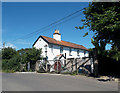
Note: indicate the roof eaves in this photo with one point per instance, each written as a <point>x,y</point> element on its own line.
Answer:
<point>36,41</point>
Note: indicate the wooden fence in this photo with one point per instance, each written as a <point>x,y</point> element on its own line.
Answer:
<point>78,65</point>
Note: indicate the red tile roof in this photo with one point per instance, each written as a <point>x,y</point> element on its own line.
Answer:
<point>63,43</point>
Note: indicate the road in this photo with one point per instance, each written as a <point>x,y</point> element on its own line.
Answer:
<point>53,82</point>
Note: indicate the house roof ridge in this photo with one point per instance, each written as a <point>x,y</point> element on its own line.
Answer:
<point>64,43</point>
<point>63,40</point>
<point>71,42</point>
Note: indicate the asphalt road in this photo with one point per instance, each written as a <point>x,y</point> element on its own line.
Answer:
<point>52,82</point>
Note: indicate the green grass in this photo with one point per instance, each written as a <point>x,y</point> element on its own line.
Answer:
<point>8,71</point>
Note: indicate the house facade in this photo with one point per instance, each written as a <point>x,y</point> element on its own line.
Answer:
<point>52,47</point>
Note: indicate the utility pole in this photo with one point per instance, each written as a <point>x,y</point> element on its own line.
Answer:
<point>3,45</point>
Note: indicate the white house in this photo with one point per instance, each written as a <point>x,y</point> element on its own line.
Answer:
<point>51,47</point>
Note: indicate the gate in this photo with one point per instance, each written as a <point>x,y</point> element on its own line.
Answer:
<point>78,65</point>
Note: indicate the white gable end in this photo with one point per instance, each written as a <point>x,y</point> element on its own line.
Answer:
<point>41,44</point>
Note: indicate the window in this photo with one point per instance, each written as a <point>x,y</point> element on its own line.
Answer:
<point>70,51</point>
<point>77,52</point>
<point>51,46</point>
<point>61,50</point>
<point>81,51</point>
<point>84,53</point>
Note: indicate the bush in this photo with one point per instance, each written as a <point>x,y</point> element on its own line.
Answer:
<point>8,53</point>
<point>13,60</point>
<point>12,64</point>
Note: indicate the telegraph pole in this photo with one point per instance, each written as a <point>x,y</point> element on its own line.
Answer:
<point>3,45</point>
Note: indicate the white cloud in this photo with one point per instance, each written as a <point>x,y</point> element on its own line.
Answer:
<point>0,43</point>
<point>10,45</point>
<point>23,42</point>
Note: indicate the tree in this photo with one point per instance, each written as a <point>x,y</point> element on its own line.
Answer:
<point>104,20</point>
<point>12,64</point>
<point>30,55</point>
<point>10,59</point>
<point>8,53</point>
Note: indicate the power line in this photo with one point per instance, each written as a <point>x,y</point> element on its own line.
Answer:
<point>54,26</point>
<point>40,30</point>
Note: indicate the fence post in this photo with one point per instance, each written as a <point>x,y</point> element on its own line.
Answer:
<point>96,68</point>
<point>92,67</point>
<point>57,66</point>
<point>46,66</point>
<point>72,65</point>
<point>76,66</point>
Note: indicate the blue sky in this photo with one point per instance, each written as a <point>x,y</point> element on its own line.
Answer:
<point>20,19</point>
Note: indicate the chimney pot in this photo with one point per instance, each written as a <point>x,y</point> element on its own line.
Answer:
<point>57,35</point>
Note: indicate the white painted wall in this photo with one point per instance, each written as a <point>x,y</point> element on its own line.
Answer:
<point>54,50</point>
<point>40,44</point>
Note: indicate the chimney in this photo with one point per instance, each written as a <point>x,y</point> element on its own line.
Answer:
<point>57,35</point>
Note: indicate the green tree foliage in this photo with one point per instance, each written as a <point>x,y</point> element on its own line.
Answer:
<point>8,53</point>
<point>12,64</point>
<point>114,53</point>
<point>12,59</point>
<point>103,18</point>
<point>30,55</point>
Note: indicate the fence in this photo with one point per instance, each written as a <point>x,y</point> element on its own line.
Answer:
<point>78,65</point>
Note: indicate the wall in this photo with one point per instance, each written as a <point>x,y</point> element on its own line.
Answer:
<point>54,50</point>
<point>40,44</point>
